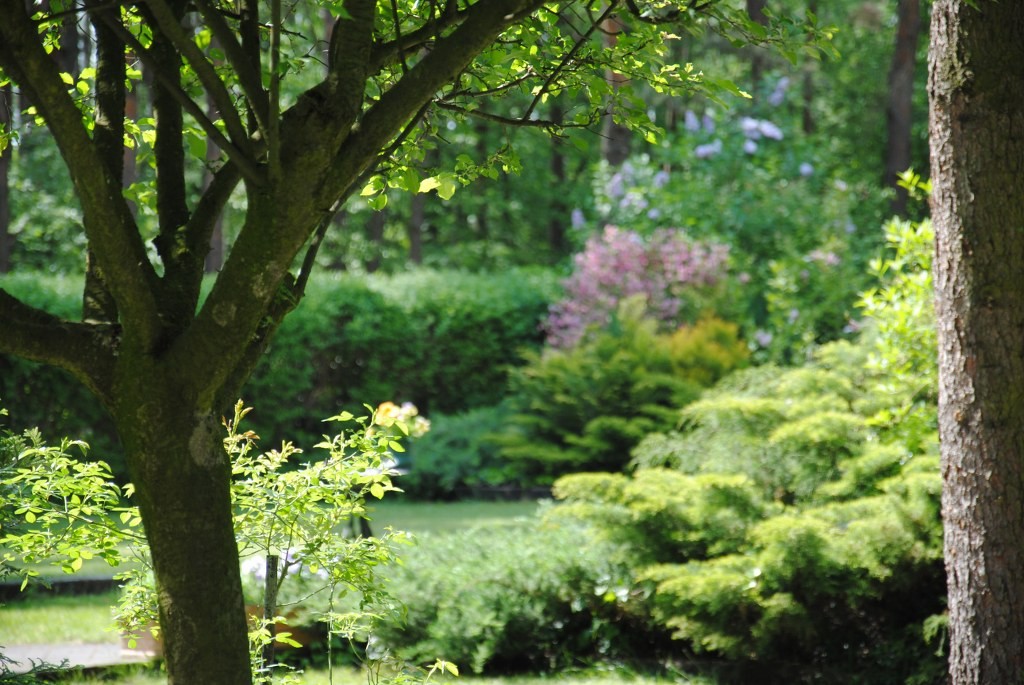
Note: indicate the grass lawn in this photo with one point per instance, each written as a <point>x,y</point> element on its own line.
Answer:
<point>86,618</point>
<point>433,517</point>
<point>61,619</point>
<point>354,677</point>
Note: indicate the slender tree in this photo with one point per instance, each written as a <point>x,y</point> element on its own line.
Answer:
<point>899,109</point>
<point>976,91</point>
<point>299,141</point>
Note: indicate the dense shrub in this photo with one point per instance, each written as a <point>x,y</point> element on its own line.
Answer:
<point>586,407</point>
<point>794,516</point>
<point>527,597</point>
<point>443,340</point>
<point>460,457</point>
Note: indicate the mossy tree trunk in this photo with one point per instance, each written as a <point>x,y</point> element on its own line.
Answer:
<point>976,88</point>
<point>163,366</point>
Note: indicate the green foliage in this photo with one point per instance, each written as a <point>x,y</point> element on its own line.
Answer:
<point>584,408</point>
<point>531,597</point>
<point>904,332</point>
<point>68,511</point>
<point>827,550</point>
<point>460,455</point>
<point>442,340</point>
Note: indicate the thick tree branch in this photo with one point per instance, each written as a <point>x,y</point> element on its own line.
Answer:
<point>481,25</point>
<point>86,350</point>
<point>108,222</point>
<point>171,205</point>
<point>170,25</point>
<point>171,82</point>
<point>279,223</point>
<point>245,64</point>
<point>108,134</point>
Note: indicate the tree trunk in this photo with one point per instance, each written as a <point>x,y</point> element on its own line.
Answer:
<point>414,229</point>
<point>615,138</point>
<point>976,89</point>
<point>755,9</point>
<point>899,112</point>
<point>6,107</point>
<point>182,477</point>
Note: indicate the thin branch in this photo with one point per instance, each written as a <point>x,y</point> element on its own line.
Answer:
<point>568,57</point>
<point>398,35</point>
<point>656,21</point>
<point>170,26</point>
<point>385,54</point>
<point>274,113</point>
<point>245,164</point>
<point>510,121</point>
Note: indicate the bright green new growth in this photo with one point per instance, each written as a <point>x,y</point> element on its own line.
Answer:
<point>302,518</point>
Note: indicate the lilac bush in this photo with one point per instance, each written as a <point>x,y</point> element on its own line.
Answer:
<point>667,268</point>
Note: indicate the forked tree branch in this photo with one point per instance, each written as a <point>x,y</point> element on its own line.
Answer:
<point>171,82</point>
<point>241,61</point>
<point>109,225</point>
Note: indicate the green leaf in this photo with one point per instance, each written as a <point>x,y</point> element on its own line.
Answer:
<point>446,186</point>
<point>30,517</point>
<point>396,446</point>
<point>377,490</point>
<point>428,184</point>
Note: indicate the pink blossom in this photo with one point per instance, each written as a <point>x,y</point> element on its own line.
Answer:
<point>618,264</point>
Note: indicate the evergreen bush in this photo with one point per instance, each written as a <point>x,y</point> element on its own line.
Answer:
<point>584,408</point>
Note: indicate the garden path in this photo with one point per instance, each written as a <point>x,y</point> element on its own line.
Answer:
<point>74,656</point>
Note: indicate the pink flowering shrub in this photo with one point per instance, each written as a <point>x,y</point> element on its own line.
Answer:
<point>670,270</point>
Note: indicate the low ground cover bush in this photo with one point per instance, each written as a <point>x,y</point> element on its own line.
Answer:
<point>538,596</point>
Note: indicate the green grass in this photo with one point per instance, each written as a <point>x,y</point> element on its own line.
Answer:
<point>354,677</point>
<point>434,517</point>
<point>86,618</point>
<point>61,619</point>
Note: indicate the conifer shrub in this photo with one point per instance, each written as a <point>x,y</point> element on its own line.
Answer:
<point>585,407</point>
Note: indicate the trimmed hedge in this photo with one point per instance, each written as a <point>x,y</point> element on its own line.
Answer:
<point>443,340</point>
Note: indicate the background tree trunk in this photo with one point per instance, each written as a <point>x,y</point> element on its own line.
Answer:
<point>6,239</point>
<point>976,88</point>
<point>899,111</point>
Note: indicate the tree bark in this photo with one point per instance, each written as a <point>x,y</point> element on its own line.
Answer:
<point>755,9</point>
<point>899,111</point>
<point>6,239</point>
<point>976,90</point>
<point>182,475</point>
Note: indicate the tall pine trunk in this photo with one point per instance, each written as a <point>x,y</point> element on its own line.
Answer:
<point>976,88</point>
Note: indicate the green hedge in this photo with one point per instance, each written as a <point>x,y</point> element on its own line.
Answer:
<point>443,340</point>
